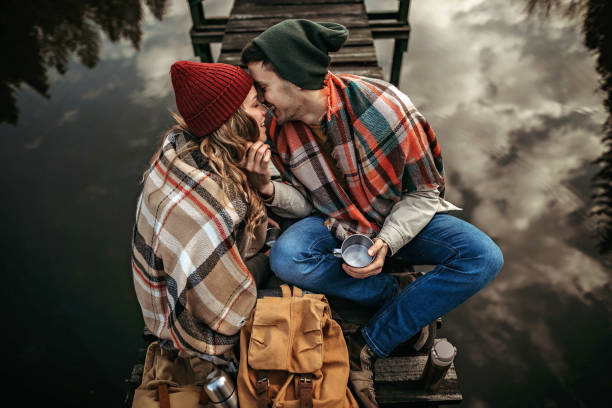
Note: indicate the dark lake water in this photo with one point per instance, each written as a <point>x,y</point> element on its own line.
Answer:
<point>514,103</point>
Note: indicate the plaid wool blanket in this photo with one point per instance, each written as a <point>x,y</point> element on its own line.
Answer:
<point>190,280</point>
<point>382,145</point>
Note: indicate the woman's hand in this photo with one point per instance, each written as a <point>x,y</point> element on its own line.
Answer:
<point>379,251</point>
<point>255,164</point>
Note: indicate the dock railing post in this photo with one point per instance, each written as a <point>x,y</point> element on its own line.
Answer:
<point>395,25</point>
<point>196,9</point>
<point>204,30</point>
<point>401,44</point>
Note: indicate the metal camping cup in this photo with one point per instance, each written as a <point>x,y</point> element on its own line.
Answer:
<point>220,389</point>
<point>354,251</point>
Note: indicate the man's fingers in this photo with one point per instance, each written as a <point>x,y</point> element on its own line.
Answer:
<point>379,250</point>
<point>376,247</point>
<point>361,273</point>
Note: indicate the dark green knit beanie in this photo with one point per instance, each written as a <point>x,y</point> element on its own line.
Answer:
<point>299,49</point>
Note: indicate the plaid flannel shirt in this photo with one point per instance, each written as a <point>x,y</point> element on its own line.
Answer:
<point>383,146</point>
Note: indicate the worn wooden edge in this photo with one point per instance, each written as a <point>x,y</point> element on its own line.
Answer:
<point>357,57</point>
<point>242,11</point>
<point>237,41</point>
<point>291,2</point>
<point>405,368</point>
<point>397,381</point>
<point>235,25</point>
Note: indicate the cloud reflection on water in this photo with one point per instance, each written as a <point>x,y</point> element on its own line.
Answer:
<point>514,104</point>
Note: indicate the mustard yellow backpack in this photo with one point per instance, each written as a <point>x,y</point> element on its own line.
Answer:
<point>293,355</point>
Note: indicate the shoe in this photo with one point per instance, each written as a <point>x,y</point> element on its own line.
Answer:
<point>421,339</point>
<point>361,376</point>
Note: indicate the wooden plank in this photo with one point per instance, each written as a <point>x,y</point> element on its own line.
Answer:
<point>274,2</point>
<point>235,25</point>
<point>206,37</point>
<point>397,381</point>
<point>249,18</point>
<point>346,55</point>
<point>404,368</point>
<point>237,41</point>
<point>391,32</point>
<point>253,11</point>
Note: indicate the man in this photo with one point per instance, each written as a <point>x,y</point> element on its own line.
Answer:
<point>357,152</point>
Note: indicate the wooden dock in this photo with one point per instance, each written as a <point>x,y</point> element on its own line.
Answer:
<point>248,18</point>
<point>397,378</point>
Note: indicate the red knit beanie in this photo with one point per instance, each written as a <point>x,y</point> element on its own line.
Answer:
<point>208,94</point>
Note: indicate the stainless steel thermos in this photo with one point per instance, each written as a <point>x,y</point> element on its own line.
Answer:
<point>439,361</point>
<point>220,389</point>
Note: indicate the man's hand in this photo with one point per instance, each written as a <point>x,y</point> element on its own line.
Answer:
<point>379,251</point>
<point>255,164</point>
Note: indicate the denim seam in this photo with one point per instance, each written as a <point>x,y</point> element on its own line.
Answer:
<point>443,244</point>
<point>372,344</point>
<point>317,242</point>
<point>365,328</point>
<point>318,257</point>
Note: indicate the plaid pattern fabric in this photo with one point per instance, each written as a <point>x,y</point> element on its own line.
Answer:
<point>189,277</point>
<point>384,147</point>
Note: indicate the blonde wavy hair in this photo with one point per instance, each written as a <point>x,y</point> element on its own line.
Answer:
<point>225,149</point>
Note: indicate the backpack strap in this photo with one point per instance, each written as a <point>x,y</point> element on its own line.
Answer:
<point>286,290</point>
<point>305,390</point>
<point>297,292</point>
<point>261,388</point>
<point>162,394</point>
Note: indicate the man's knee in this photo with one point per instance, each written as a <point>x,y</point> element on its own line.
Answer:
<point>485,260</point>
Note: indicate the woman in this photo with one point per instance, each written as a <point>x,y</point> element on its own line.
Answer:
<point>198,219</point>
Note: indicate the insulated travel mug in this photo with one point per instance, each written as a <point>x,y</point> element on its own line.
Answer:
<point>220,389</point>
<point>440,357</point>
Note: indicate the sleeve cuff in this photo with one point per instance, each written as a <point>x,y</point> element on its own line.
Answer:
<point>392,237</point>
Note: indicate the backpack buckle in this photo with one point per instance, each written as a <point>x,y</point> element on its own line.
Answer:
<point>261,388</point>
<point>306,380</point>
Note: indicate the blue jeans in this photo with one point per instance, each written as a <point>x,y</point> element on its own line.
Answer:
<point>466,260</point>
